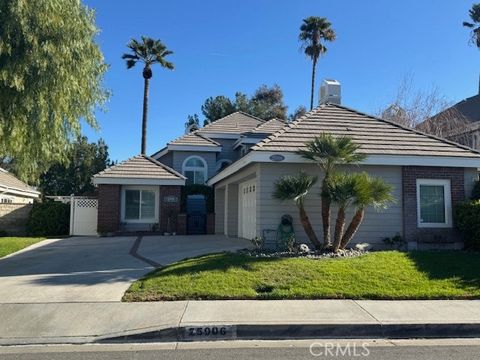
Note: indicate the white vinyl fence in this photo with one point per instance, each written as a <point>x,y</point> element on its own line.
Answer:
<point>83,216</point>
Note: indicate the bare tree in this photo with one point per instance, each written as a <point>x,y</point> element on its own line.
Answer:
<point>428,111</point>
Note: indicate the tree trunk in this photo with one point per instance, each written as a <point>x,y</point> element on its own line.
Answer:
<point>314,62</point>
<point>326,204</point>
<point>144,118</point>
<point>352,228</point>
<point>339,225</point>
<point>307,226</point>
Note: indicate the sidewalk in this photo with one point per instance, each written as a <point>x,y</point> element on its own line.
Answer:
<point>221,320</point>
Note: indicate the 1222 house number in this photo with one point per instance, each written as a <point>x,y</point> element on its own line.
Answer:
<point>208,331</point>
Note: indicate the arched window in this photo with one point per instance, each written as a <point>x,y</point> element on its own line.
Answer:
<point>194,168</point>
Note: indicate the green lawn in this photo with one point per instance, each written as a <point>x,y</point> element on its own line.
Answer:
<point>10,245</point>
<point>377,275</point>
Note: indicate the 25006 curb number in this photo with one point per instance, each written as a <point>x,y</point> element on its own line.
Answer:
<point>210,331</point>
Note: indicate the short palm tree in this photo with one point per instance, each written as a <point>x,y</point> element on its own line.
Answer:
<point>148,52</point>
<point>328,153</point>
<point>369,191</point>
<point>342,192</point>
<point>474,14</point>
<point>314,31</point>
<point>296,188</point>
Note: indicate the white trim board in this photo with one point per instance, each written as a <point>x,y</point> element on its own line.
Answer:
<point>136,181</point>
<point>447,198</point>
<point>393,160</point>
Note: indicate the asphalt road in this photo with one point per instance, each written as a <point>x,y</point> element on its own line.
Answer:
<point>278,353</point>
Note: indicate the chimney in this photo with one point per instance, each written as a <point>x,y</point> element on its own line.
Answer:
<point>330,92</point>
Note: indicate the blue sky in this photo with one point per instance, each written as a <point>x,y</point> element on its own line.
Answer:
<point>221,47</point>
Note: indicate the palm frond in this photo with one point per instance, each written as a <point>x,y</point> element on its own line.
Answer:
<point>294,187</point>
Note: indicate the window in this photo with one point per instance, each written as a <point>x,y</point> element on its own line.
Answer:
<point>139,205</point>
<point>6,200</point>
<point>222,164</point>
<point>434,203</point>
<point>195,170</point>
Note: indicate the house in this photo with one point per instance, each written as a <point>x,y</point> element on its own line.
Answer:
<point>15,191</point>
<point>429,176</point>
<point>461,122</point>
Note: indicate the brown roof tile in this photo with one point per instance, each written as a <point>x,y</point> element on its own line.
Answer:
<point>374,135</point>
<point>9,180</point>
<point>236,123</point>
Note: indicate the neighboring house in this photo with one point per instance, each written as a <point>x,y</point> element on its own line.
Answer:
<point>14,191</point>
<point>429,176</point>
<point>462,122</point>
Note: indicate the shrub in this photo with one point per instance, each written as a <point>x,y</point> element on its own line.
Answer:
<point>467,220</point>
<point>50,218</point>
<point>476,191</point>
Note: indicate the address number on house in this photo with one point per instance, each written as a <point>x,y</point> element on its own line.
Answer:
<point>210,332</point>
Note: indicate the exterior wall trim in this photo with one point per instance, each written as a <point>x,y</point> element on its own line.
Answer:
<point>134,181</point>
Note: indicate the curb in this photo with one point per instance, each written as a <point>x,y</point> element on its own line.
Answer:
<point>300,331</point>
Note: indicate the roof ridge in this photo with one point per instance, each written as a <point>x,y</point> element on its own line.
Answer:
<point>162,165</point>
<point>110,168</point>
<point>463,147</point>
<point>229,115</point>
<point>288,125</point>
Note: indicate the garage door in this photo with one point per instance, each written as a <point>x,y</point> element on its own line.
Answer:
<point>248,214</point>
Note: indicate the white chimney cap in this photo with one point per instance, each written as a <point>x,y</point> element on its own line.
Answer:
<point>330,92</point>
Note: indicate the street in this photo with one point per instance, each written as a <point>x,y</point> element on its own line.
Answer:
<point>285,350</point>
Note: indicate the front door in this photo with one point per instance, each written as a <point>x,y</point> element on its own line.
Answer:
<point>196,215</point>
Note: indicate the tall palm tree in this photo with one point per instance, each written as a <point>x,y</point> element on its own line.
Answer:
<point>342,192</point>
<point>369,191</point>
<point>314,31</point>
<point>474,14</point>
<point>296,188</point>
<point>148,52</point>
<point>328,152</point>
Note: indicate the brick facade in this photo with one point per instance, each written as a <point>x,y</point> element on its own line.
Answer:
<point>108,208</point>
<point>169,209</point>
<point>412,233</point>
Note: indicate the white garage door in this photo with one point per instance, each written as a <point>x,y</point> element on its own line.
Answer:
<point>248,215</point>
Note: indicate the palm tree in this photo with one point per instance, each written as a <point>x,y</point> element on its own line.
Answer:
<point>313,32</point>
<point>296,188</point>
<point>474,13</point>
<point>148,52</point>
<point>342,191</point>
<point>328,152</point>
<point>369,191</point>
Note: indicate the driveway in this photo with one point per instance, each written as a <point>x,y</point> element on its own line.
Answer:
<point>92,269</point>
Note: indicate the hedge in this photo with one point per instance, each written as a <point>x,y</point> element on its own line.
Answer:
<point>197,189</point>
<point>467,219</point>
<point>50,218</point>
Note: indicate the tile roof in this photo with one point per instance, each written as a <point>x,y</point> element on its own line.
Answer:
<point>271,126</point>
<point>236,123</point>
<point>10,181</point>
<point>140,167</point>
<point>375,136</point>
<point>194,139</point>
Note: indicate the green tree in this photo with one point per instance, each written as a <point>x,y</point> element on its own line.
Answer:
<point>266,103</point>
<point>296,188</point>
<point>216,108</point>
<point>314,31</point>
<point>328,153</point>
<point>299,112</point>
<point>368,191</point>
<point>51,72</point>
<point>342,192</point>
<point>148,52</point>
<point>192,123</point>
<point>474,25</point>
<point>84,160</point>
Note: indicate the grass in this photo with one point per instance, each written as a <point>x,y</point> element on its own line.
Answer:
<point>377,275</point>
<point>9,245</point>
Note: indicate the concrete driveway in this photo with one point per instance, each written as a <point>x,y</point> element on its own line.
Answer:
<point>92,269</point>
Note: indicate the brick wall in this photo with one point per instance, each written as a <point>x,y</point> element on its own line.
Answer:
<point>108,208</point>
<point>169,210</point>
<point>412,232</point>
<point>13,218</point>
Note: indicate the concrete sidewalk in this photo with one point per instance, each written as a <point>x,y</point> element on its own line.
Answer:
<point>222,320</point>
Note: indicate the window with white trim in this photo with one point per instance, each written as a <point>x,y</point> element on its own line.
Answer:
<point>195,170</point>
<point>434,203</point>
<point>139,205</point>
